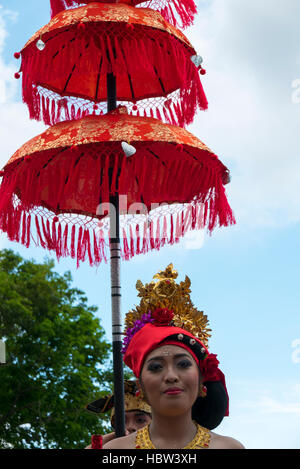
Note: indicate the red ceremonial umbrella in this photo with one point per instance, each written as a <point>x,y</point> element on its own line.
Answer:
<point>65,65</point>
<point>56,188</point>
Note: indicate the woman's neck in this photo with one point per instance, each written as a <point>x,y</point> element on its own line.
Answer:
<point>172,432</point>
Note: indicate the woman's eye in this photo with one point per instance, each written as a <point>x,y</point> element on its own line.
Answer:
<point>154,366</point>
<point>184,363</point>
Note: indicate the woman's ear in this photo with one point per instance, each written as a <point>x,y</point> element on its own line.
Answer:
<point>200,385</point>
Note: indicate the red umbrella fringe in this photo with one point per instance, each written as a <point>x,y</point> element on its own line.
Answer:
<point>171,58</point>
<point>56,6</point>
<point>54,109</point>
<point>185,9</point>
<point>25,222</point>
<point>81,243</point>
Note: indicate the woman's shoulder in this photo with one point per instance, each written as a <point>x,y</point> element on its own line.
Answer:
<point>124,442</point>
<point>224,442</point>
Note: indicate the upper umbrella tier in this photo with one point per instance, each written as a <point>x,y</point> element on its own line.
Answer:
<point>180,13</point>
<point>65,65</point>
<point>66,176</point>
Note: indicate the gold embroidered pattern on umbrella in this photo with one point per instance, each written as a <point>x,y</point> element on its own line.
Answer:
<point>178,12</point>
<point>149,57</point>
<point>55,187</point>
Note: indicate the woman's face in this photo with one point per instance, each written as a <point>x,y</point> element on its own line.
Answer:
<point>170,380</point>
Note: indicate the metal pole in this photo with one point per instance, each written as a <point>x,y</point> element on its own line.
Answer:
<point>115,261</point>
<point>2,353</point>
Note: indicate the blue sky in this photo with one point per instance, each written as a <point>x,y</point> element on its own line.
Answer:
<point>245,278</point>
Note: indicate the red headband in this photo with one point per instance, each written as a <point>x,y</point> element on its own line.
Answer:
<point>147,339</point>
<point>179,344</point>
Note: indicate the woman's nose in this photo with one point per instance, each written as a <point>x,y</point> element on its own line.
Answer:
<point>171,375</point>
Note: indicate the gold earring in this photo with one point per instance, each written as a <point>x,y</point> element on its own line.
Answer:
<point>203,391</point>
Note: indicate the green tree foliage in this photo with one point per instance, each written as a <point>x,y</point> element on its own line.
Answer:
<point>56,358</point>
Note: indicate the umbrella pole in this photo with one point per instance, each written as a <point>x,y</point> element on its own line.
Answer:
<point>115,262</point>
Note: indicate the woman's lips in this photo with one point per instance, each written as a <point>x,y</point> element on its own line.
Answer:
<point>173,391</point>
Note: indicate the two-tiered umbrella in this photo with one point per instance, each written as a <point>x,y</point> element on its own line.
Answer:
<point>85,61</point>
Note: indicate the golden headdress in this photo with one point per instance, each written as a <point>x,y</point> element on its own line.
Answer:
<point>132,401</point>
<point>162,296</point>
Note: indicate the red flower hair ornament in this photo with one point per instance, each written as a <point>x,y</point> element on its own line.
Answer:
<point>162,317</point>
<point>209,368</point>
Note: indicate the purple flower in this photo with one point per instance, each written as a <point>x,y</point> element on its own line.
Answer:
<point>137,326</point>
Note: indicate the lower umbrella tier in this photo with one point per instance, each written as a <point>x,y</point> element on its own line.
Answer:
<point>67,175</point>
<point>177,12</point>
<point>151,60</point>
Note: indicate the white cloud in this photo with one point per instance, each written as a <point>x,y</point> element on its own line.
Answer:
<point>252,56</point>
<point>269,405</point>
<point>281,398</point>
<point>264,414</point>
<point>15,126</point>
<point>194,240</point>
<point>6,71</point>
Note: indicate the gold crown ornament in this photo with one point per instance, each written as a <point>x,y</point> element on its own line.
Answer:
<point>165,302</point>
<point>132,401</point>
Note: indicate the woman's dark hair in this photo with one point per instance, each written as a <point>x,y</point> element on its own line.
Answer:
<point>209,411</point>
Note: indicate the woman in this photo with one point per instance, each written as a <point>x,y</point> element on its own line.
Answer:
<point>166,348</point>
<point>137,413</point>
